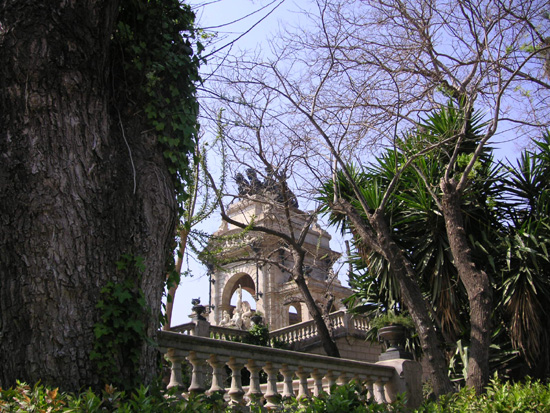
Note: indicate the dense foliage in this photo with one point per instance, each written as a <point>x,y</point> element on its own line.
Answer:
<point>506,219</point>
<point>500,397</point>
<point>155,65</point>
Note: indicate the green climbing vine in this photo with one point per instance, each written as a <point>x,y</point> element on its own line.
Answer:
<point>155,47</point>
<point>120,332</point>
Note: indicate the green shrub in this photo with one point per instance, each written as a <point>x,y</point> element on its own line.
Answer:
<point>531,396</point>
<point>348,398</point>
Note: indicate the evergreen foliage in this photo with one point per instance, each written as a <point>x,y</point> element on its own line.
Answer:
<point>505,212</point>
<point>156,68</point>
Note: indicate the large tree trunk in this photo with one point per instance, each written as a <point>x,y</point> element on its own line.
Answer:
<point>413,299</point>
<point>379,239</point>
<point>478,288</point>
<point>73,199</point>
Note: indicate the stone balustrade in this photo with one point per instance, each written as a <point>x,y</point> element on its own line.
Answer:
<point>187,328</point>
<point>226,333</point>
<point>313,373</point>
<point>340,323</point>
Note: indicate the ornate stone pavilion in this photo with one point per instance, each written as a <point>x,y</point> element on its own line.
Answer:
<point>274,294</point>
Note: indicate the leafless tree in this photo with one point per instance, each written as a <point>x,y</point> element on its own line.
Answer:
<point>360,73</point>
<point>272,166</point>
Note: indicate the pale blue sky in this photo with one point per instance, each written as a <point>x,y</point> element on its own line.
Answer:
<point>252,32</point>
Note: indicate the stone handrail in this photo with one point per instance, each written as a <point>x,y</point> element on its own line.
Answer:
<point>296,335</point>
<point>187,328</point>
<point>340,322</point>
<point>383,380</point>
<point>226,333</point>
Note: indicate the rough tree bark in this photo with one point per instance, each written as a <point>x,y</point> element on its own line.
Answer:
<point>328,343</point>
<point>477,284</point>
<point>380,239</point>
<point>79,187</point>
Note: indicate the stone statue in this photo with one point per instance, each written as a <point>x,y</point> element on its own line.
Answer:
<point>271,185</point>
<point>226,320</point>
<point>255,184</point>
<point>237,320</point>
<point>238,307</point>
<point>247,314</point>
<point>242,184</point>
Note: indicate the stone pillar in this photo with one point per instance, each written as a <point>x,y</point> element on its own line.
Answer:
<point>407,379</point>
<point>318,381</point>
<point>198,361</point>
<point>331,377</point>
<point>303,375</point>
<point>217,363</point>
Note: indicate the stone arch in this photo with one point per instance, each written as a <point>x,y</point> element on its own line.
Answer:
<point>246,282</point>
<point>294,317</point>
<point>296,303</point>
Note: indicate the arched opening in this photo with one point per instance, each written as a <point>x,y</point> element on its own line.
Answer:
<point>229,296</point>
<point>246,298</point>
<point>294,313</point>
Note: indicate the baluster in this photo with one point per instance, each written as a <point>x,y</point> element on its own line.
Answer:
<point>254,392</point>
<point>343,378</point>
<point>379,391</point>
<point>369,385</point>
<point>271,395</point>
<point>198,361</point>
<point>217,363</point>
<point>317,381</point>
<point>331,377</point>
<point>303,391</point>
<point>288,375</point>
<point>236,391</point>
<point>175,357</point>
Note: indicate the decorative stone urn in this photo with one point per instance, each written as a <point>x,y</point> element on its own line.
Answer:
<point>394,338</point>
<point>198,309</point>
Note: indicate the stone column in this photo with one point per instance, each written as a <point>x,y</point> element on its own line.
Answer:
<point>331,378</point>
<point>318,381</point>
<point>198,361</point>
<point>303,375</point>
<point>176,358</point>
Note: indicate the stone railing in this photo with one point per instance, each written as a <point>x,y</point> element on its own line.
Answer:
<point>314,373</point>
<point>226,333</point>
<point>297,336</point>
<point>207,330</point>
<point>340,323</point>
